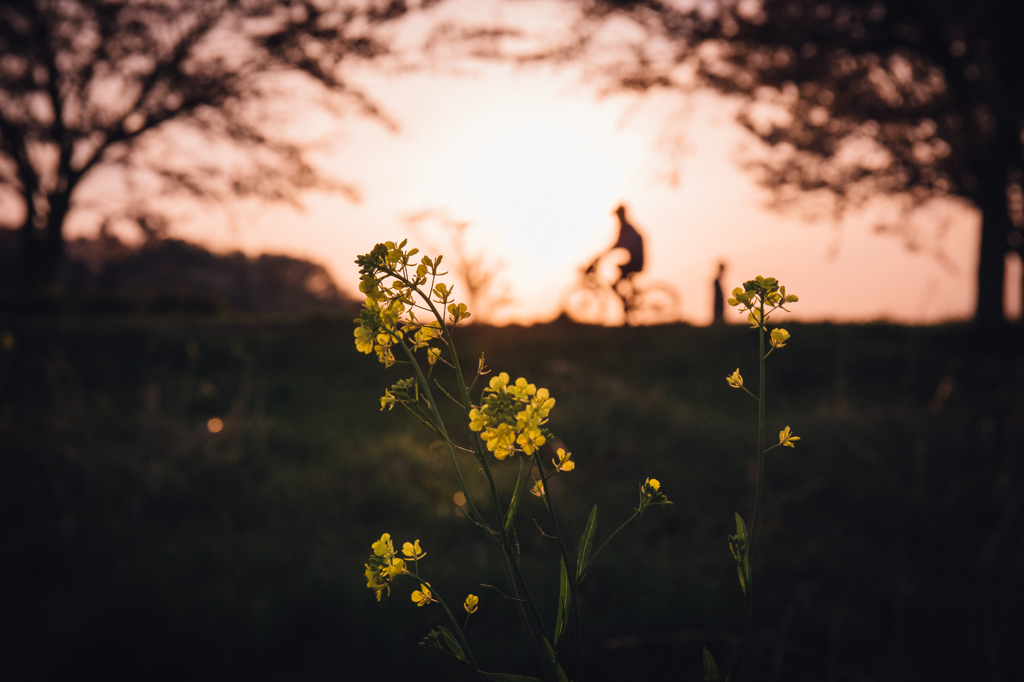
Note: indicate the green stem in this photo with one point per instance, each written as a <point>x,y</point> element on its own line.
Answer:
<point>758,495</point>
<point>440,426</point>
<point>573,587</point>
<point>458,630</point>
<point>598,550</point>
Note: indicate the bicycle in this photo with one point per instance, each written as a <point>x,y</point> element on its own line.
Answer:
<point>595,300</point>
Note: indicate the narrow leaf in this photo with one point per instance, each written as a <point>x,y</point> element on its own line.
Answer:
<point>586,544</point>
<point>505,677</point>
<point>510,517</point>
<point>711,673</point>
<point>549,653</point>
<point>453,644</point>
<point>562,618</point>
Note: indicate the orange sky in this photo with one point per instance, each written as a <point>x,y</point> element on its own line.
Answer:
<point>535,162</point>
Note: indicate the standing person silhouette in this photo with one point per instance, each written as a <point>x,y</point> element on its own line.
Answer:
<point>719,296</point>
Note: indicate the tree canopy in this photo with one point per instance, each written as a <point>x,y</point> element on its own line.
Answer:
<point>919,99</point>
<point>95,84</point>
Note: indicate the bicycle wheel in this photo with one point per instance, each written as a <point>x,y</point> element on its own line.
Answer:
<point>590,305</point>
<point>655,303</point>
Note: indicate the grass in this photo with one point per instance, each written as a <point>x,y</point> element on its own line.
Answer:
<point>139,545</point>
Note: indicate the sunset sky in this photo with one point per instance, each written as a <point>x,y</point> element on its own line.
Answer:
<point>535,161</point>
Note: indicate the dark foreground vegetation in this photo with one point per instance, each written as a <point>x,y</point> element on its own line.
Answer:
<point>137,544</point>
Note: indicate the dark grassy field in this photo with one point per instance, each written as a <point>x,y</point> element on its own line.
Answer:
<point>138,545</point>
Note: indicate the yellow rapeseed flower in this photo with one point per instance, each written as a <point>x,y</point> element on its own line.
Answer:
<point>734,379</point>
<point>563,463</point>
<point>383,547</point>
<point>477,420</point>
<point>537,489</point>
<point>653,483</point>
<point>364,340</point>
<point>498,383</point>
<point>395,567</point>
<point>471,603</point>
<point>412,550</point>
<point>374,582</point>
<point>422,596</point>
<point>779,337</point>
<point>530,440</point>
<point>786,438</point>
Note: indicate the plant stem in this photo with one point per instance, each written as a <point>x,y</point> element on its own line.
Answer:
<point>598,550</point>
<point>458,630</point>
<point>440,425</point>
<point>577,634</point>
<point>748,635</point>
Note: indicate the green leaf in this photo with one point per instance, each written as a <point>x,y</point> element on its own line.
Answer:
<point>549,653</point>
<point>564,594</point>
<point>586,544</point>
<point>738,547</point>
<point>710,667</point>
<point>452,643</point>
<point>505,677</point>
<point>510,517</point>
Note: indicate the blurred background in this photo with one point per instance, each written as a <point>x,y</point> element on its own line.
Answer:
<point>192,460</point>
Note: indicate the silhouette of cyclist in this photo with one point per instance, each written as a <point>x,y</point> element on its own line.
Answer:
<point>630,240</point>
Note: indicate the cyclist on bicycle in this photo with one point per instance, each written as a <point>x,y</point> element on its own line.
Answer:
<point>630,240</point>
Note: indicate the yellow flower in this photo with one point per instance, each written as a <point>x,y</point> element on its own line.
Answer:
<point>563,463</point>
<point>779,337</point>
<point>530,440</point>
<point>374,582</point>
<point>786,438</point>
<point>412,550</point>
<point>734,379</point>
<point>395,567</point>
<point>432,355</point>
<point>471,603</point>
<point>383,547</point>
<point>477,420</point>
<point>653,483</point>
<point>387,400</point>
<point>498,383</point>
<point>364,340</point>
<point>422,596</point>
<point>522,390</point>
<point>537,489</point>
<point>442,292</point>
<point>500,440</point>
<point>458,312</point>
<point>754,318</point>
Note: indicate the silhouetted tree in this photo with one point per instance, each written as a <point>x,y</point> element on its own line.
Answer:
<point>916,98</point>
<point>88,84</point>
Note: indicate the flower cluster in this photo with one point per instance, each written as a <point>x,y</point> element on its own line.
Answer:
<point>651,495</point>
<point>384,564</point>
<point>512,416</point>
<point>395,290</point>
<point>760,297</point>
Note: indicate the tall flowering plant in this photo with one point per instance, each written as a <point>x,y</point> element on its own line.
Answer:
<point>758,298</point>
<point>408,319</point>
